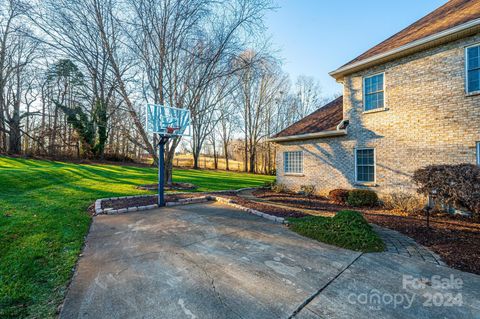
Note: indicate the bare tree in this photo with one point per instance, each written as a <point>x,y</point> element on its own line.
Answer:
<point>71,29</point>
<point>259,86</point>
<point>17,52</point>
<point>186,46</point>
<point>307,96</point>
<point>228,123</point>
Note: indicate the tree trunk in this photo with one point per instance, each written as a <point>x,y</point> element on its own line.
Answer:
<point>252,161</point>
<point>215,157</point>
<point>246,154</point>
<point>196,150</point>
<point>15,140</point>
<point>53,134</point>
<point>225,149</point>
<point>15,137</point>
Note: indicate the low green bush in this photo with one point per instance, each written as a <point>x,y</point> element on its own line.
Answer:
<point>348,229</point>
<point>362,197</point>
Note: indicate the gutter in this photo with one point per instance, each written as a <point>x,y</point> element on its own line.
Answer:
<point>418,44</point>
<point>338,132</point>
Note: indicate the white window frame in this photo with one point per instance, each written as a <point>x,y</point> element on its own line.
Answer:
<point>300,163</point>
<point>374,165</point>
<point>467,90</point>
<point>478,153</point>
<point>365,92</point>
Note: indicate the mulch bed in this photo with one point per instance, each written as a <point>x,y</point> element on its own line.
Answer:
<point>456,239</point>
<point>264,208</point>
<point>142,201</point>
<point>300,201</point>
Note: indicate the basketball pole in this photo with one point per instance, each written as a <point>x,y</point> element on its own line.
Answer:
<point>161,170</point>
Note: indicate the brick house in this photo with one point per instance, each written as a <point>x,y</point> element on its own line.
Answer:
<point>410,101</point>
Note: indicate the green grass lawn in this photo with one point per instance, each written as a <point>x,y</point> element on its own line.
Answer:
<point>348,229</point>
<point>43,222</point>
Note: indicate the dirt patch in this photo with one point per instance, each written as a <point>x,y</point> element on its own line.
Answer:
<point>456,239</point>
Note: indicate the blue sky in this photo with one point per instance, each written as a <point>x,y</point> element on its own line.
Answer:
<point>317,36</point>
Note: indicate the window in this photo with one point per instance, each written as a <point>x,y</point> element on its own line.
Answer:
<point>473,68</point>
<point>365,165</point>
<point>293,162</point>
<point>478,153</point>
<point>373,92</point>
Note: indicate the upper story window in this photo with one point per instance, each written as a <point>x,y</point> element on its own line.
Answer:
<point>373,92</point>
<point>473,68</point>
<point>293,162</point>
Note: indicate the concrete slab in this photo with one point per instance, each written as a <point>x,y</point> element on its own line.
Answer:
<point>392,286</point>
<point>213,261</point>
<point>197,261</point>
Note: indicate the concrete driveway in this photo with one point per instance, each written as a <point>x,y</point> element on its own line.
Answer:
<point>212,261</point>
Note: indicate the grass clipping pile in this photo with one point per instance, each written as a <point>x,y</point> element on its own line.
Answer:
<point>348,229</point>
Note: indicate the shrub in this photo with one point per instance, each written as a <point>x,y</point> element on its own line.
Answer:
<point>339,196</point>
<point>346,229</point>
<point>456,185</point>
<point>307,190</point>
<point>362,197</point>
<point>403,201</point>
<point>279,188</point>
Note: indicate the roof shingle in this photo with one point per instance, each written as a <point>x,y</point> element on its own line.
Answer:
<point>325,118</point>
<point>451,14</point>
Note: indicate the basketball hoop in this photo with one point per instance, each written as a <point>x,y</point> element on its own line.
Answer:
<point>166,122</point>
<point>171,130</point>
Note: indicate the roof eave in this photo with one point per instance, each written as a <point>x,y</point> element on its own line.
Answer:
<point>448,35</point>
<point>308,136</point>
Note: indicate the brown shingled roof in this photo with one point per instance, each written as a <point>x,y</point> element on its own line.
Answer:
<point>451,14</point>
<point>325,118</point>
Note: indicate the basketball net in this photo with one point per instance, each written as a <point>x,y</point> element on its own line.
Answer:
<point>171,130</point>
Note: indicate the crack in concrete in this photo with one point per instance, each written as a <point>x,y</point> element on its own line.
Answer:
<point>221,299</point>
<point>309,299</point>
<point>212,283</point>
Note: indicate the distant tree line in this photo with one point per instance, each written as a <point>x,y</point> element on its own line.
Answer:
<point>75,75</point>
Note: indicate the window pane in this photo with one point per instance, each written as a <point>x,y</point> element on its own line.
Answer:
<point>380,99</point>
<point>374,92</point>
<point>365,165</point>
<point>293,162</point>
<point>473,57</point>
<point>474,80</point>
<point>478,153</point>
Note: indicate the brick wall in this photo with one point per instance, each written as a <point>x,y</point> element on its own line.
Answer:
<point>429,120</point>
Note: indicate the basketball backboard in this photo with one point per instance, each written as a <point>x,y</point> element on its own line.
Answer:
<point>167,121</point>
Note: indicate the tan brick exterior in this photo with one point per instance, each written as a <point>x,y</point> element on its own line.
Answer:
<point>429,119</point>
